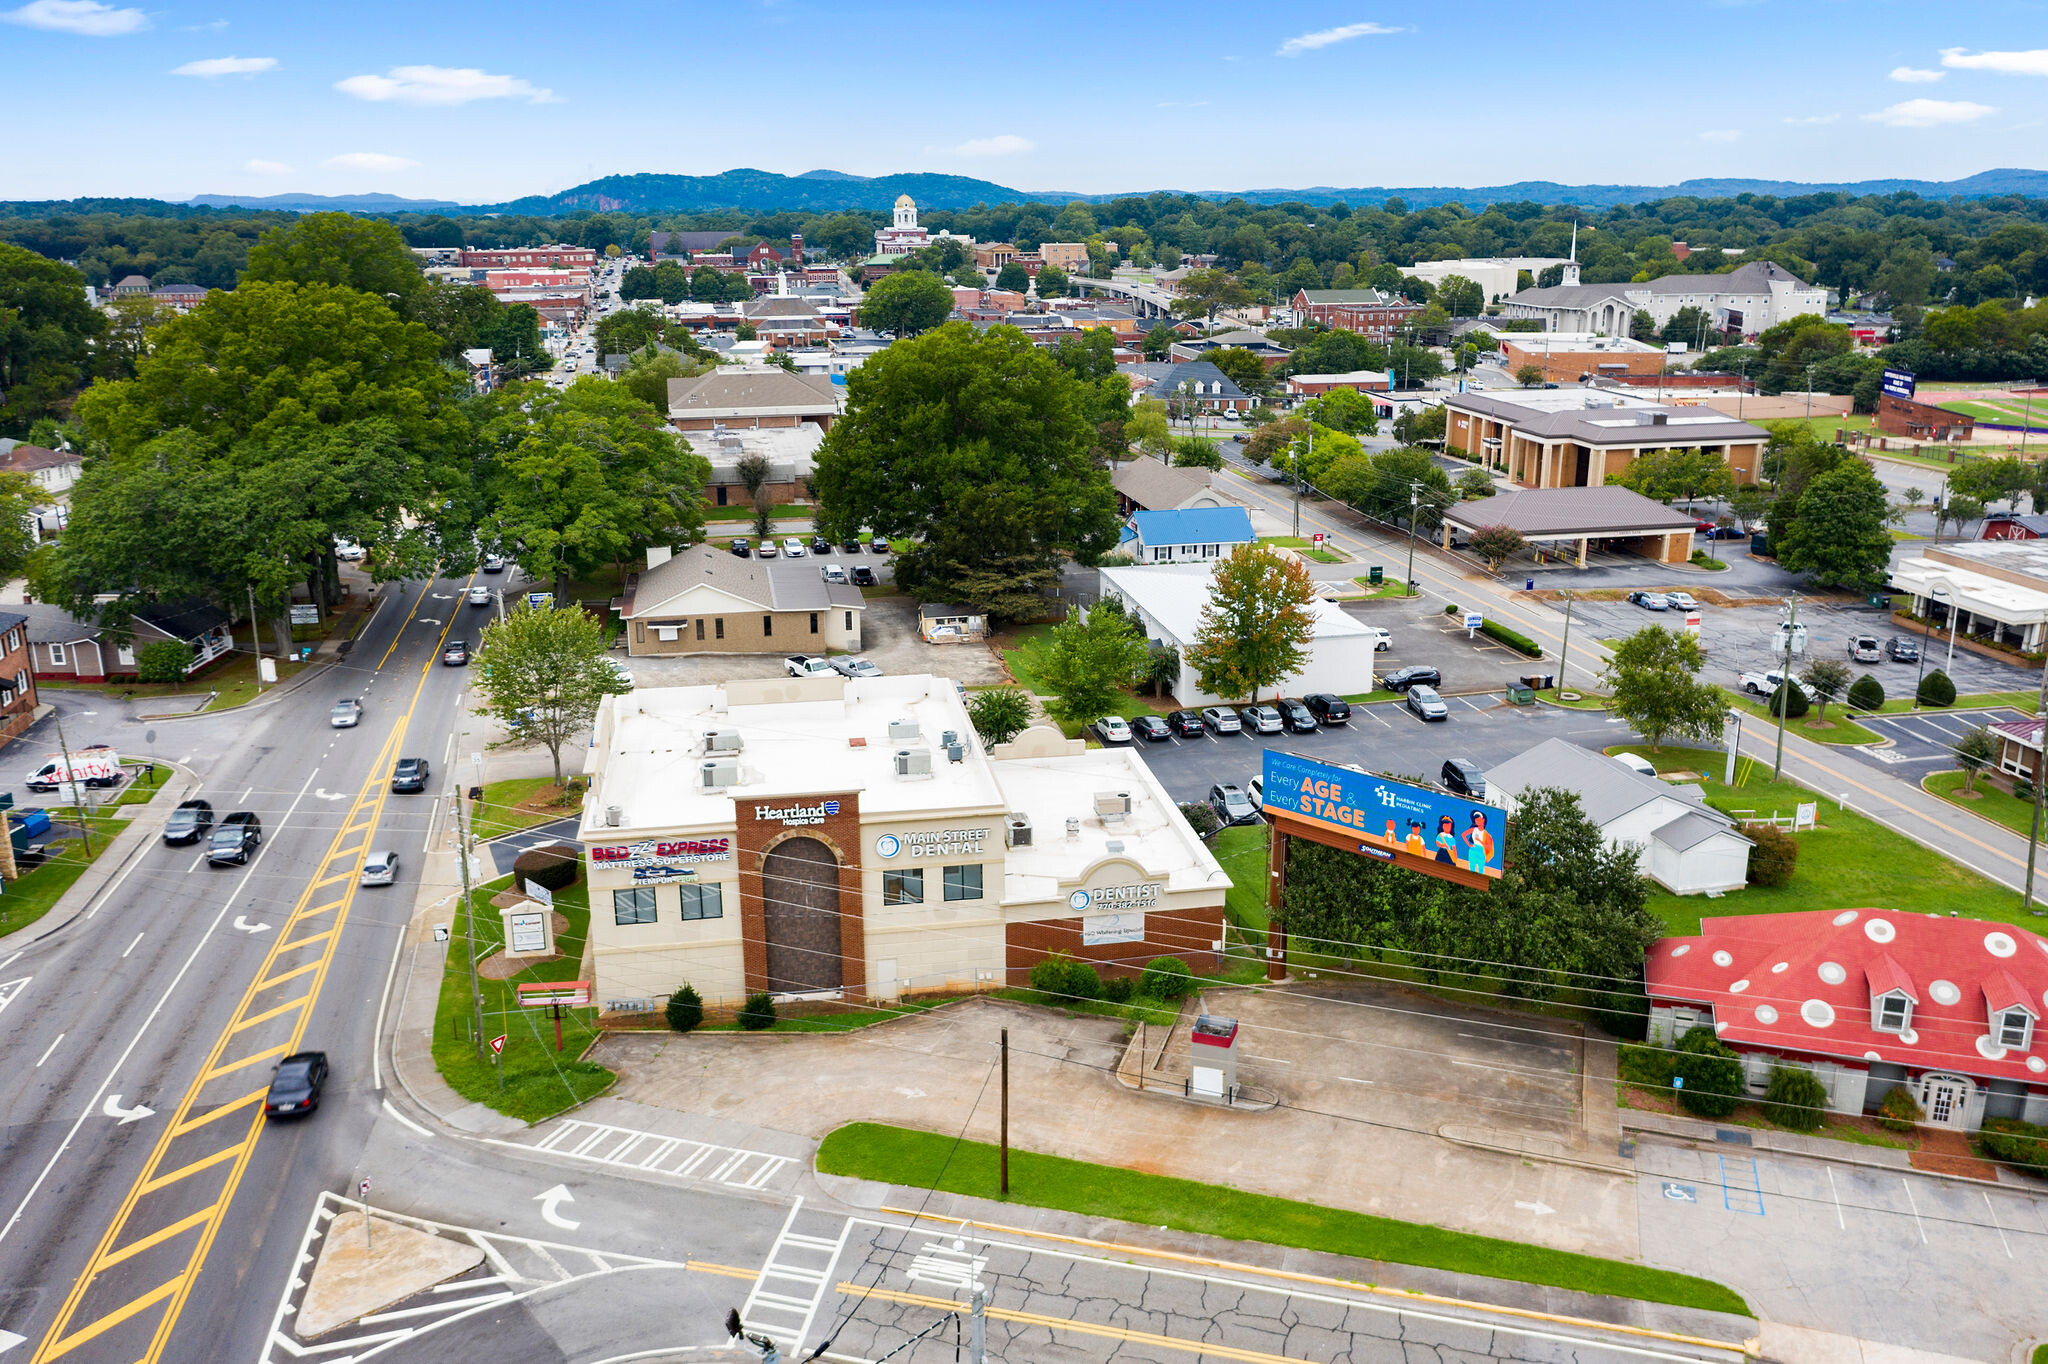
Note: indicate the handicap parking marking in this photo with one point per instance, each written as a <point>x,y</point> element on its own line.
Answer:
<point>1680,1193</point>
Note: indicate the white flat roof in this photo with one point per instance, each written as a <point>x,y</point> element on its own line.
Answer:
<point>1173,595</point>
<point>1980,594</point>
<point>1576,341</point>
<point>1053,790</point>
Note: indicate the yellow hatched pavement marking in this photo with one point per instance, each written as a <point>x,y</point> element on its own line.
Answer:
<point>282,1049</point>
<point>364,813</point>
<point>231,1106</point>
<point>269,1014</point>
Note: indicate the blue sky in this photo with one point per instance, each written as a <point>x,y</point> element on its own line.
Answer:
<point>486,101</point>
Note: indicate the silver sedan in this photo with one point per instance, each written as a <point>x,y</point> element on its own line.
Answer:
<point>380,868</point>
<point>346,714</point>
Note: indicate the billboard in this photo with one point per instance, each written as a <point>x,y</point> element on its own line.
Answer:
<point>1898,383</point>
<point>1412,826</point>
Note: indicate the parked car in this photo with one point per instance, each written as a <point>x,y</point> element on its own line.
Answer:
<point>380,868</point>
<point>820,545</point>
<point>1151,729</point>
<point>1415,675</point>
<point>96,768</point>
<point>768,550</point>
<point>1902,650</point>
<point>808,665</point>
<point>348,551</point>
<point>1767,683</point>
<point>855,667</point>
<point>1112,729</point>
<point>1381,640</point>
<point>743,548</point>
<point>793,548</point>
<point>1262,719</point>
<point>1300,719</point>
<point>1426,704</point>
<point>494,563</point>
<point>409,774</point>
<point>1701,525</point>
<point>1231,804</point>
<point>1462,777</point>
<point>1186,723</point>
<point>863,576</point>
<point>295,1085</point>
<point>851,544</point>
<point>1221,719</point>
<point>1328,708</point>
<point>347,714</point>
<point>189,823</point>
<point>1649,601</point>
<point>456,655</point>
<point>1255,790</point>
<point>240,834</point>
<point>1864,649</point>
<point>1636,762</point>
<point>834,573</point>
<point>1681,601</point>
<point>878,545</point>
<point>1727,533</point>
<point>619,671</point>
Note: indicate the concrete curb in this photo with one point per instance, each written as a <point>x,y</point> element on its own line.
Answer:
<point>1478,1139</point>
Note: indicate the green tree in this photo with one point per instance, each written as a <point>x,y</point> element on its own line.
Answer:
<point>1975,751</point>
<point>1795,1098</point>
<point>1497,545</point>
<point>1196,452</point>
<point>1418,424</point>
<point>999,714</point>
<point>1053,282</point>
<point>1826,681</point>
<point>1256,628</point>
<point>1148,431</point>
<point>1653,678</point>
<point>1346,410</point>
<point>1242,368</point>
<point>1867,695</point>
<point>646,376</point>
<point>907,303</point>
<point>1936,690</point>
<point>1712,1073</point>
<point>1642,326</point>
<point>758,1013</point>
<point>46,335</point>
<point>1475,483</point>
<point>363,254</point>
<point>685,1010</point>
<point>1014,278</point>
<point>1529,376</point>
<point>1459,296</point>
<point>541,674</point>
<point>20,495</point>
<point>1204,293</point>
<point>1840,532</point>
<point>626,331</point>
<point>1093,659</point>
<point>164,660</point>
<point>1335,352</point>
<point>1158,341</point>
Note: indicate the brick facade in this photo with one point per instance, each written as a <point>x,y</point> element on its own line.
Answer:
<point>1190,934</point>
<point>756,837</point>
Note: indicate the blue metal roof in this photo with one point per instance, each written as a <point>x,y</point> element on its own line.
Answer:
<point>1194,526</point>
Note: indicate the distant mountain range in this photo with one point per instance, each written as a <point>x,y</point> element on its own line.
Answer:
<point>825,191</point>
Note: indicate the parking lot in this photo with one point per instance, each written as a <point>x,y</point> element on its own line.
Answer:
<point>1929,738</point>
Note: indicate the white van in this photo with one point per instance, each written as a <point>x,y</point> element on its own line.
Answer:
<point>1635,762</point>
<point>1381,640</point>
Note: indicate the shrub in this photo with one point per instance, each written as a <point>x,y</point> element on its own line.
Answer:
<point>1711,1071</point>
<point>1900,1111</point>
<point>1937,690</point>
<point>1775,856</point>
<point>1790,699</point>
<point>1119,989</point>
<point>1201,818</point>
<point>1520,643</point>
<point>1624,1013</point>
<point>1167,978</point>
<point>553,867</point>
<point>685,1010</point>
<point>1795,1098</point>
<point>1867,694</point>
<point>163,661</point>
<point>1064,978</point>
<point>1453,609</point>
<point>1644,1065</point>
<point>2023,1145</point>
<point>758,1012</point>
<point>2022,789</point>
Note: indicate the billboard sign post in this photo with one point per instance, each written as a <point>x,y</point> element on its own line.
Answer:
<point>1898,383</point>
<point>1415,827</point>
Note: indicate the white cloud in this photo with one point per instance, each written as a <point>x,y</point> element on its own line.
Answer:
<point>2030,63</point>
<point>1915,75</point>
<point>1929,113</point>
<point>88,17</point>
<point>1722,135</point>
<point>1309,42</point>
<point>226,66</point>
<point>262,167</point>
<point>442,85</point>
<point>1813,119</point>
<point>368,161</point>
<point>1006,144</point>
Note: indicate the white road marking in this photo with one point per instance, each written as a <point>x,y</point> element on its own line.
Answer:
<point>11,960</point>
<point>1915,1207</point>
<point>376,1049</point>
<point>46,1052</point>
<point>112,1108</point>
<point>242,923</point>
<point>9,989</point>
<point>551,1199</point>
<point>1837,1197</point>
<point>187,758</point>
<point>195,864</point>
<point>324,794</point>
<point>8,1340</point>
<point>1994,1222</point>
<point>131,946</point>
<point>1269,1060</point>
<point>408,1122</point>
<point>1540,1208</point>
<point>603,1144</point>
<point>1354,1079</point>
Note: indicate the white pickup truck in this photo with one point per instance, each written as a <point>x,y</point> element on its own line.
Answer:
<point>808,665</point>
<point>1767,683</point>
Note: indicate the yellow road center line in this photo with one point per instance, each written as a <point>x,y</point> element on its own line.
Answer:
<point>234,1106</point>
<point>112,1319</point>
<point>1086,1328</point>
<point>729,1271</point>
<point>269,1014</point>
<point>187,1171</point>
<point>134,1248</point>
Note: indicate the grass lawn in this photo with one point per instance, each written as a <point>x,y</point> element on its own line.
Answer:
<point>925,1160</point>
<point>144,787</point>
<point>234,680</point>
<point>1990,802</point>
<point>1389,587</point>
<point>1025,656</point>
<point>1587,700</point>
<point>1849,862</point>
<point>30,897</point>
<point>537,1082</point>
<point>500,812</point>
<point>744,514</point>
<point>1304,546</point>
<point>1368,698</point>
<point>1839,729</point>
<point>2024,700</point>
<point>1242,853</point>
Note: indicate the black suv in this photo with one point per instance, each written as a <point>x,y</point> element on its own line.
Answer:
<point>409,775</point>
<point>240,834</point>
<point>1418,675</point>
<point>1330,709</point>
<point>1298,717</point>
<point>1186,723</point>
<point>743,548</point>
<point>1902,650</point>
<point>189,822</point>
<point>863,576</point>
<point>1462,777</point>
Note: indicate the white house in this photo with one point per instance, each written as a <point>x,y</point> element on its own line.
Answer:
<point>1187,536</point>
<point>1750,298</point>
<point>1684,844</point>
<point>1167,603</point>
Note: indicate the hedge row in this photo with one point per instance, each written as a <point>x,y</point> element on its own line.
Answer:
<point>1520,643</point>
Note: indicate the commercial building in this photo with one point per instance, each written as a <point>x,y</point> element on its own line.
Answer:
<point>1372,313</point>
<point>1922,421</point>
<point>1868,1001</point>
<point>1571,522</point>
<point>791,452</point>
<point>530,257</point>
<point>1357,380</point>
<point>1167,603</point>
<point>1191,536</point>
<point>833,839</point>
<point>1990,591</point>
<point>733,397</point>
<point>1147,484</point>
<point>705,600</point>
<point>1498,276</point>
<point>903,235</point>
<point>1068,257</point>
<point>1200,347</point>
<point>1571,438</point>
<point>2019,746</point>
<point>1573,357</point>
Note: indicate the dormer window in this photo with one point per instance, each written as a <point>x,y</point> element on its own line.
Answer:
<point>2015,1029</point>
<point>1894,1013</point>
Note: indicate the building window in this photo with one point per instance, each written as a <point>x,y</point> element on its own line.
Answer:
<point>767,626</point>
<point>2015,1027</point>
<point>1894,1012</point>
<point>849,620</point>
<point>635,906</point>
<point>718,627</point>
<point>56,655</point>
<point>814,622</point>
<point>700,628</point>
<point>701,901</point>
<point>963,883</point>
<point>903,887</point>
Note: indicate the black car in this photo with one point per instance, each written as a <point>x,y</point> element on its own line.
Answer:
<point>456,655</point>
<point>240,834</point>
<point>1462,777</point>
<point>409,775</point>
<point>862,575</point>
<point>1298,718</point>
<point>1902,650</point>
<point>1418,675</point>
<point>295,1085</point>
<point>743,548</point>
<point>851,546</point>
<point>1328,708</point>
<point>820,545</point>
<point>1186,723</point>
<point>189,822</point>
<point>1151,729</point>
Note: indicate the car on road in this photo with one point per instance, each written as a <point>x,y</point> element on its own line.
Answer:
<point>1649,601</point>
<point>1221,719</point>
<point>768,550</point>
<point>1151,729</point>
<point>1726,533</point>
<point>793,548</point>
<point>1681,601</point>
<point>1231,804</point>
<point>1262,719</point>
<point>456,655</point>
<point>380,868</point>
<point>347,714</point>
<point>856,667</point>
<point>834,573</point>
<point>863,576</point>
<point>1186,723</point>
<point>189,823</point>
<point>494,563</point>
<point>1426,704</point>
<point>1414,675</point>
<point>240,834</point>
<point>295,1085</point>
<point>1864,649</point>
<point>743,549</point>
<point>479,596</point>
<point>820,545</point>
<point>878,545</point>
<point>1328,707</point>
<point>409,774</point>
<point>1112,729</point>
<point>1462,777</point>
<point>808,665</point>
<point>1902,650</point>
<point>1300,719</point>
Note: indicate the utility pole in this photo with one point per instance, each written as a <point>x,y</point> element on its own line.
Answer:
<point>1300,466</point>
<point>255,638</point>
<point>1006,1053</point>
<point>977,1326</point>
<point>1785,685</point>
<point>2034,833</point>
<point>77,785</point>
<point>476,998</point>
<point>1565,650</point>
<point>1414,503</point>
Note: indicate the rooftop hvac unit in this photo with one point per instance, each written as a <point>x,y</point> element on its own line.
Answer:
<point>900,730</point>
<point>720,773</point>
<point>949,738</point>
<point>1112,803</point>
<point>1114,845</point>
<point>955,753</point>
<point>723,741</point>
<point>612,816</point>
<point>1073,829</point>
<point>913,762</point>
<point>1016,831</point>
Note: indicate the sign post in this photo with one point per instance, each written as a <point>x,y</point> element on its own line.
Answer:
<point>498,1059</point>
<point>363,1195</point>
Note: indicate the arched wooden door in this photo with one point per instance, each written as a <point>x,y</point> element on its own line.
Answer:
<point>800,902</point>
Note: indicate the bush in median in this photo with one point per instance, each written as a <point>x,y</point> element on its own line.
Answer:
<point>1520,643</point>
<point>1937,690</point>
<point>685,1010</point>
<point>758,1012</point>
<point>1867,695</point>
<point>1790,699</point>
<point>1711,1071</point>
<point>552,867</point>
<point>1795,1098</point>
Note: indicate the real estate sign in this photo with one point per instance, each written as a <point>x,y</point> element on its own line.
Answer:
<point>1412,826</point>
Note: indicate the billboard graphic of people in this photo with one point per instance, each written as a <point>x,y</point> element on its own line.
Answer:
<point>1380,812</point>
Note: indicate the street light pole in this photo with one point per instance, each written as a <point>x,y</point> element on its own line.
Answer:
<point>1564,651</point>
<point>1926,642</point>
<point>2034,832</point>
<point>1785,685</point>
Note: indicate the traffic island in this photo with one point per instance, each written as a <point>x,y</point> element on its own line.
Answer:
<point>365,1267</point>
